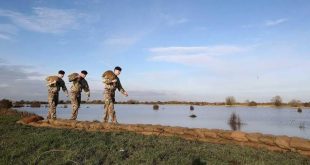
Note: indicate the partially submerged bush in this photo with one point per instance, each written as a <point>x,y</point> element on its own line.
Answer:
<point>5,104</point>
<point>19,104</point>
<point>234,122</point>
<point>155,107</point>
<point>35,104</point>
<point>252,103</point>
<point>299,110</point>
<point>192,116</point>
<point>191,107</point>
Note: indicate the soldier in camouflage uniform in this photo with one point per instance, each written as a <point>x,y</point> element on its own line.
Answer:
<point>78,85</point>
<point>53,94</point>
<point>109,95</point>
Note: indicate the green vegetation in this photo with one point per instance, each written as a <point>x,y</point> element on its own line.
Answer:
<point>29,145</point>
<point>4,103</point>
<point>35,104</point>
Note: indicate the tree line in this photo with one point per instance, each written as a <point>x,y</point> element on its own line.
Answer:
<point>229,101</point>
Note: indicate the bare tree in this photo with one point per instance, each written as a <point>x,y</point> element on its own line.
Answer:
<point>295,103</point>
<point>230,100</point>
<point>277,101</point>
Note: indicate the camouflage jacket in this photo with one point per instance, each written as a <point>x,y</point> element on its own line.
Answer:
<point>110,87</point>
<point>79,85</point>
<point>56,88</point>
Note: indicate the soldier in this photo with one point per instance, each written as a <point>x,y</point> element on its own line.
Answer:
<point>78,84</point>
<point>54,85</point>
<point>109,94</point>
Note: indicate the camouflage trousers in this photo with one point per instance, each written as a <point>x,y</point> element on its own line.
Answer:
<point>109,109</point>
<point>52,104</point>
<point>75,102</point>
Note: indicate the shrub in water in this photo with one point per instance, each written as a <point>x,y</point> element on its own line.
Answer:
<point>252,103</point>
<point>156,107</point>
<point>234,122</point>
<point>19,104</point>
<point>299,110</point>
<point>35,104</point>
<point>192,116</point>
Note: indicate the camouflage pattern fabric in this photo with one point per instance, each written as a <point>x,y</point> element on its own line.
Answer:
<point>109,97</point>
<point>77,86</point>
<point>53,96</point>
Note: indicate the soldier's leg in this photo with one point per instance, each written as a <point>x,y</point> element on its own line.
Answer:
<point>112,112</point>
<point>74,103</point>
<point>50,104</point>
<point>78,104</point>
<point>106,109</point>
<point>53,109</point>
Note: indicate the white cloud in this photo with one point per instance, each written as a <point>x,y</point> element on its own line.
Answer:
<point>193,55</point>
<point>45,20</point>
<point>171,20</point>
<point>7,28</point>
<point>5,37</point>
<point>7,31</point>
<point>275,22</point>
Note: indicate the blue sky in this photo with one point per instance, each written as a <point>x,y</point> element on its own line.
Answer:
<point>169,50</point>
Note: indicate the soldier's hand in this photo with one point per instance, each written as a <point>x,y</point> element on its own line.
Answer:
<point>125,93</point>
<point>114,81</point>
<point>87,99</point>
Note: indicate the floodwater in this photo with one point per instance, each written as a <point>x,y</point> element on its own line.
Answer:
<point>267,120</point>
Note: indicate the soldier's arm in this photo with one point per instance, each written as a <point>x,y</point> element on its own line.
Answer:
<point>85,87</point>
<point>120,87</point>
<point>64,88</point>
<point>107,81</point>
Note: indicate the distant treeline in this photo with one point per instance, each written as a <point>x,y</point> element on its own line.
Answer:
<point>229,101</point>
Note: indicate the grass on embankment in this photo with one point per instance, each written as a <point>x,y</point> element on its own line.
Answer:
<point>29,145</point>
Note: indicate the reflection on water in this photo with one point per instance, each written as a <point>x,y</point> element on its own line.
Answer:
<point>277,121</point>
<point>234,122</point>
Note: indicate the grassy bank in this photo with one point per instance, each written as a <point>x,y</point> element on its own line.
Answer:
<point>29,145</point>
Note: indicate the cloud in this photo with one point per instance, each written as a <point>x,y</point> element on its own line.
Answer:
<point>16,82</point>
<point>5,37</point>
<point>171,20</point>
<point>192,55</point>
<point>275,22</point>
<point>7,31</point>
<point>44,20</point>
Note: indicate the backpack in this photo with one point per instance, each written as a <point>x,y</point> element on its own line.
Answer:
<point>73,76</point>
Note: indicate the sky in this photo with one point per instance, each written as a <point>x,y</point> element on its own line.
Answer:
<point>198,50</point>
